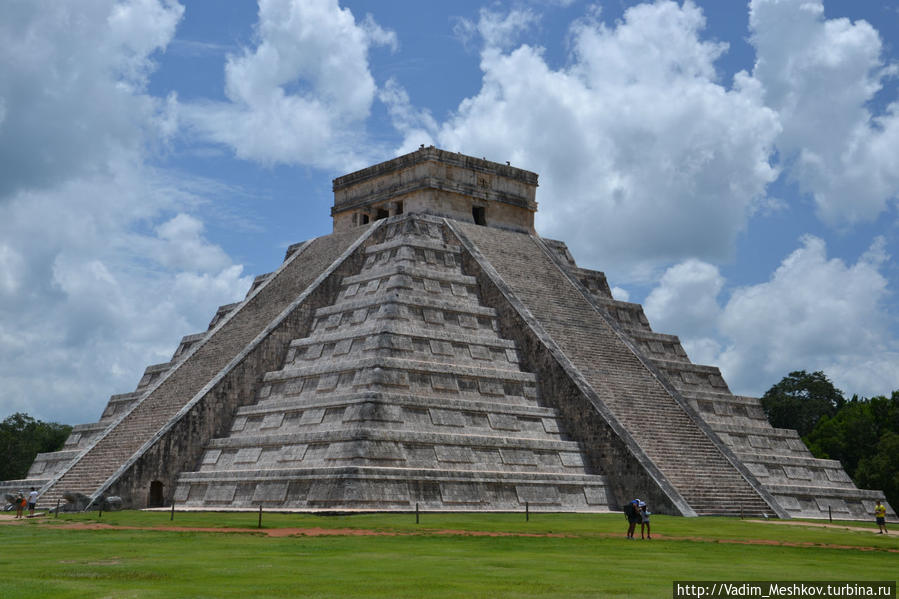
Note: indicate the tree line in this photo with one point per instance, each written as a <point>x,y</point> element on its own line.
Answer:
<point>22,438</point>
<point>862,433</point>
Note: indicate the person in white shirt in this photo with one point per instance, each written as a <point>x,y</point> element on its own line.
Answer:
<point>32,500</point>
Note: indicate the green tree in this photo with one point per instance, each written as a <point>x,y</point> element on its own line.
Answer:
<point>22,438</point>
<point>880,468</point>
<point>800,400</point>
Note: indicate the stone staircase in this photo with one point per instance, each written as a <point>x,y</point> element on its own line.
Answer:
<point>402,394</point>
<point>689,458</point>
<point>800,483</point>
<point>133,420</point>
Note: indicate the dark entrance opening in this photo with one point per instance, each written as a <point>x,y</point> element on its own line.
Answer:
<point>479,215</point>
<point>155,499</point>
<point>382,213</point>
<point>364,219</point>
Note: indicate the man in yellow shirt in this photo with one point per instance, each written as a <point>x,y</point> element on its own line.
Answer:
<point>880,514</point>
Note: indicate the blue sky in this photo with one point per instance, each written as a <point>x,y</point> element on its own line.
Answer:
<point>732,166</point>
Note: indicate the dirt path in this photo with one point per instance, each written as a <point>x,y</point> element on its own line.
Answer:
<point>870,529</point>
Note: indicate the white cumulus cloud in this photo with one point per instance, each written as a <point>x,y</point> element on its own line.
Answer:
<point>302,94</point>
<point>102,265</point>
<point>645,157</point>
<point>820,75</point>
<point>815,313</point>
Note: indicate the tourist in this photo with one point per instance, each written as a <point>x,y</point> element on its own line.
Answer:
<point>631,512</point>
<point>880,514</point>
<point>20,503</point>
<point>32,500</point>
<point>644,520</point>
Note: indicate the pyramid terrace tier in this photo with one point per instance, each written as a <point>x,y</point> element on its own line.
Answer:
<point>414,281</point>
<point>415,376</point>
<point>688,377</point>
<point>411,249</point>
<point>399,412</point>
<point>774,469</point>
<point>425,310</point>
<point>399,340</point>
<point>659,346</point>
<point>825,500</point>
<point>763,439</point>
<point>383,489</point>
<point>722,407</point>
<point>395,448</point>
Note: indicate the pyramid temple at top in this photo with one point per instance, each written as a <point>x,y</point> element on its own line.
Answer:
<point>434,351</point>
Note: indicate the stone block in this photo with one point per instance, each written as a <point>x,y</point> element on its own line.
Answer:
<point>327,382</point>
<point>788,502</point>
<point>467,321</point>
<point>538,494</point>
<point>459,290</point>
<point>458,493</point>
<point>490,387</point>
<point>272,420</point>
<point>836,504</point>
<point>756,469</point>
<point>182,492</point>
<point>441,348</point>
<point>432,316</point>
<point>595,495</point>
<point>479,352</point>
<point>293,453</point>
<point>220,493</point>
<point>313,416</point>
<point>441,417</point>
<point>444,382</point>
<point>342,347</point>
<point>454,454</point>
<point>797,472</point>
<point>211,457</point>
<point>837,475</point>
<point>247,455</point>
<point>503,422</point>
<point>571,459</point>
<point>270,492</point>
<point>520,457</point>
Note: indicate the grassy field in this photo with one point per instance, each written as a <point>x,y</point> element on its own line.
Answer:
<point>141,554</point>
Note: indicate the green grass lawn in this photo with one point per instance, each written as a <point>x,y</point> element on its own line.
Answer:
<point>42,558</point>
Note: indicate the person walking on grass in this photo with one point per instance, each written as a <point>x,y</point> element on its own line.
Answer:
<point>644,520</point>
<point>880,514</point>
<point>32,501</point>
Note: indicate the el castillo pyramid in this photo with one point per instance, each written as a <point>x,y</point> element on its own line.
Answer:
<point>434,351</point>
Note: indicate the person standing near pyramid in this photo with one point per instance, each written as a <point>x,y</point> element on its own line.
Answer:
<point>880,515</point>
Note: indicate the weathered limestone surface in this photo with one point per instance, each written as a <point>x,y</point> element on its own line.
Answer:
<point>163,431</point>
<point>686,463</point>
<point>802,485</point>
<point>437,182</point>
<point>402,394</point>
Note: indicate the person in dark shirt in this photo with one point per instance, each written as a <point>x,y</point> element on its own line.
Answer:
<point>633,517</point>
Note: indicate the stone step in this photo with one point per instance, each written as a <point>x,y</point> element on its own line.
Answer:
<point>656,421</point>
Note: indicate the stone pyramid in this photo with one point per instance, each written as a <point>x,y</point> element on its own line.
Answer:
<point>434,351</point>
